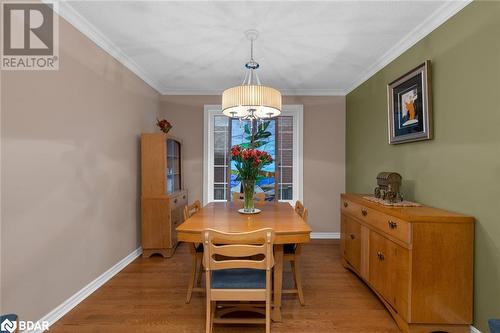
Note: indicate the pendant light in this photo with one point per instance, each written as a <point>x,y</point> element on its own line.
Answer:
<point>251,100</point>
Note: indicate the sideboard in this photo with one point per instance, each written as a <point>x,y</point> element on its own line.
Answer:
<point>417,260</point>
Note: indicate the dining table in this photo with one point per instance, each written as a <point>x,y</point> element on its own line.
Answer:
<point>288,228</point>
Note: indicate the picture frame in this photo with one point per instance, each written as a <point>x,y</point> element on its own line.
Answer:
<point>409,106</point>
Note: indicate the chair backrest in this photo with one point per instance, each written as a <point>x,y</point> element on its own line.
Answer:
<point>238,250</point>
<point>301,210</point>
<point>260,196</point>
<point>305,214</point>
<point>190,210</point>
<point>299,207</point>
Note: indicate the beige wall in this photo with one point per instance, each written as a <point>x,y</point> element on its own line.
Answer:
<point>70,166</point>
<point>324,150</point>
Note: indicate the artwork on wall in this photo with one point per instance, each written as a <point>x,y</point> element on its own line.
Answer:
<point>409,101</point>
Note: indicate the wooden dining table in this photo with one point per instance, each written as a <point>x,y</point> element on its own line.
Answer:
<point>288,227</point>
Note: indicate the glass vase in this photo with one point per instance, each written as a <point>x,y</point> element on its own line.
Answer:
<point>248,190</point>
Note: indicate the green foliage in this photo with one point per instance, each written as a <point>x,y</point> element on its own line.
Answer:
<point>259,138</point>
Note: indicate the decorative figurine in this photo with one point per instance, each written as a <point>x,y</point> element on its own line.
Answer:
<point>388,187</point>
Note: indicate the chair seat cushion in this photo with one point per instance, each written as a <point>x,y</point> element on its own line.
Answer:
<point>289,248</point>
<point>239,278</point>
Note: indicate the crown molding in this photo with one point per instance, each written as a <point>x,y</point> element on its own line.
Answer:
<point>445,12</point>
<point>67,12</point>
<point>284,92</point>
<point>313,92</point>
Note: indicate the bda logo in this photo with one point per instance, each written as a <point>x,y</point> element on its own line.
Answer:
<point>8,323</point>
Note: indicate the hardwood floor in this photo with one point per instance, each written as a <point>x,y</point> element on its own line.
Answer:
<point>149,296</point>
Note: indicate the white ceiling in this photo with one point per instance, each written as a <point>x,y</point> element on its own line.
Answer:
<point>310,48</point>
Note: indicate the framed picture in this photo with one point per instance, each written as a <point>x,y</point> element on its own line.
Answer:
<point>409,101</point>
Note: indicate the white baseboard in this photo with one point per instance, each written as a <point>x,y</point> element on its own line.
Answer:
<point>74,300</point>
<point>474,330</point>
<point>325,235</point>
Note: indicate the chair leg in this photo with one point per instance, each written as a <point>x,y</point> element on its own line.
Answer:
<point>191,280</point>
<point>200,271</point>
<point>298,278</point>
<point>214,307</point>
<point>268,313</point>
<point>208,324</point>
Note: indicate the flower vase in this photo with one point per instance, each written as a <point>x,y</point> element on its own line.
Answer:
<point>248,191</point>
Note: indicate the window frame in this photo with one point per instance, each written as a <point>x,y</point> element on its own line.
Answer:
<point>294,110</point>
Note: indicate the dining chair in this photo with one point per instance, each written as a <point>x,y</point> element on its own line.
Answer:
<point>259,197</point>
<point>238,268</point>
<point>196,251</point>
<point>292,253</point>
<point>299,207</point>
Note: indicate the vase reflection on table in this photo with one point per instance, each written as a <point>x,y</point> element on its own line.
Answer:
<point>249,163</point>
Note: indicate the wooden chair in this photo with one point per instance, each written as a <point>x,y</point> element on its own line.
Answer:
<point>240,270</point>
<point>196,254</point>
<point>259,197</point>
<point>299,207</point>
<point>292,254</point>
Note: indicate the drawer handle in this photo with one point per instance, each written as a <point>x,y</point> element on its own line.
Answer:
<point>183,197</point>
<point>364,212</point>
<point>175,200</point>
<point>352,236</point>
<point>392,224</point>
<point>380,256</point>
<point>346,204</point>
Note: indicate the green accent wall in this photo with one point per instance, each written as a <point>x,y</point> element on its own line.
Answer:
<point>459,169</point>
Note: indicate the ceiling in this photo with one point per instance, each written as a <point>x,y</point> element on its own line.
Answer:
<point>304,48</point>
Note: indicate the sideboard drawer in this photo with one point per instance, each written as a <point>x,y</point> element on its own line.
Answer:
<point>390,225</point>
<point>352,208</point>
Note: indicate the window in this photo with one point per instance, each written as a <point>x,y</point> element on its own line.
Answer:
<point>283,140</point>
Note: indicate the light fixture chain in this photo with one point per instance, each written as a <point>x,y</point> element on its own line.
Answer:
<point>251,50</point>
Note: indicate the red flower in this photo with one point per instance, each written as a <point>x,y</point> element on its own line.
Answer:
<point>163,124</point>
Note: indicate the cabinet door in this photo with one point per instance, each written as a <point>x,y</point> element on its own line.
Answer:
<point>379,264</point>
<point>400,279</point>
<point>351,240</point>
<point>173,166</point>
<point>155,223</point>
<point>389,264</point>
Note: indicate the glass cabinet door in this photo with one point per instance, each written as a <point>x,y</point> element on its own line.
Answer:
<point>173,166</point>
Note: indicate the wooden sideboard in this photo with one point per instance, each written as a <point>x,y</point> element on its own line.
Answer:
<point>417,260</point>
<point>163,196</point>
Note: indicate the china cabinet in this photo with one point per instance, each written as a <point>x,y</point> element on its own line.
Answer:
<point>162,193</point>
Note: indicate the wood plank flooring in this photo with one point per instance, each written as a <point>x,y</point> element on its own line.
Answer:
<point>148,296</point>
